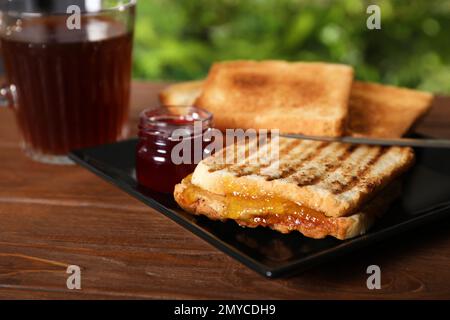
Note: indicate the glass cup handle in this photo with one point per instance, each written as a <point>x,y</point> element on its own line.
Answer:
<point>7,95</point>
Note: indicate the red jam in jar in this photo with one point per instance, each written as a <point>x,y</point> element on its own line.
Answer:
<point>170,140</point>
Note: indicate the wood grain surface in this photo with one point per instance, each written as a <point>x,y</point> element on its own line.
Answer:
<point>52,217</point>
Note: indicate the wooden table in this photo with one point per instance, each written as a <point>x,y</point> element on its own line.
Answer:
<point>52,217</point>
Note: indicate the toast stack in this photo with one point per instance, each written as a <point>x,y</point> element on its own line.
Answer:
<point>314,103</point>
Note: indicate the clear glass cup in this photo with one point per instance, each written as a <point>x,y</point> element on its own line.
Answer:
<point>68,72</point>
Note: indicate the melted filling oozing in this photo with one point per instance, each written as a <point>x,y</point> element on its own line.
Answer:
<point>260,209</point>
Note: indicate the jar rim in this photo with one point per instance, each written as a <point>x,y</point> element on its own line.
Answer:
<point>161,116</point>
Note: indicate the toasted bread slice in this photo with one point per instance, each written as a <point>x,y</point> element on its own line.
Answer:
<point>375,110</point>
<point>307,98</point>
<point>282,216</point>
<point>181,94</point>
<point>384,111</point>
<point>333,178</point>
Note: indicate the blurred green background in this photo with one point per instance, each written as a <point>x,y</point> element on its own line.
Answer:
<point>179,39</point>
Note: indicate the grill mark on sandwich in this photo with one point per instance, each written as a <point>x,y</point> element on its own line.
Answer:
<point>243,171</point>
<point>350,149</point>
<point>290,170</point>
<point>246,169</point>
<point>217,167</point>
<point>284,149</point>
<point>332,167</point>
<point>316,152</point>
<point>222,164</point>
<point>291,145</point>
<point>306,179</point>
<point>340,187</point>
<point>303,179</point>
<point>238,169</point>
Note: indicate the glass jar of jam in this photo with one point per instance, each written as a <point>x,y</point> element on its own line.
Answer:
<point>171,143</point>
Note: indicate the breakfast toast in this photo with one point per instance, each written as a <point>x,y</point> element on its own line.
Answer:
<point>306,98</point>
<point>375,110</point>
<point>385,111</point>
<point>181,94</point>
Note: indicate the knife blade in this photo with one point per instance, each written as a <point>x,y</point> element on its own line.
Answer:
<point>402,142</point>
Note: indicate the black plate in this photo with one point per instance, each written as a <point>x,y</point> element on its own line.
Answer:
<point>426,197</point>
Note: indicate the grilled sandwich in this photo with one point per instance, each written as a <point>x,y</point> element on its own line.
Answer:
<point>316,188</point>
<point>375,110</point>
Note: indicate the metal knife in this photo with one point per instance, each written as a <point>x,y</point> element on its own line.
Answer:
<point>403,142</point>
